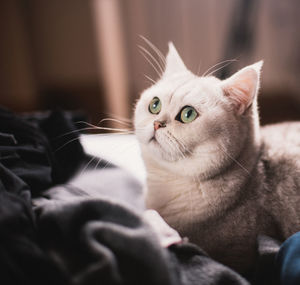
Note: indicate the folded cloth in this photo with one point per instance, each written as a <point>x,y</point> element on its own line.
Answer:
<point>167,235</point>
<point>29,164</point>
<point>108,240</point>
<point>35,152</point>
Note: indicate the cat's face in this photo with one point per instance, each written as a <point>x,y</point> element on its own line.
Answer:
<point>195,124</point>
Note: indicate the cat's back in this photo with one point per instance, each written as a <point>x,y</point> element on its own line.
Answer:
<point>282,139</point>
<point>281,153</point>
<point>280,165</point>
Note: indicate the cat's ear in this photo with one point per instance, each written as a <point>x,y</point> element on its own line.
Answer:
<point>242,87</point>
<point>174,63</point>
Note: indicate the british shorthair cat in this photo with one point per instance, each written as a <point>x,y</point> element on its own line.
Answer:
<point>212,173</point>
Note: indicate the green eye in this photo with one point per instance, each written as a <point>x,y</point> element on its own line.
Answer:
<point>188,114</point>
<point>155,106</point>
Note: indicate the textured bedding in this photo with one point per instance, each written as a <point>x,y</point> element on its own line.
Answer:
<point>63,222</point>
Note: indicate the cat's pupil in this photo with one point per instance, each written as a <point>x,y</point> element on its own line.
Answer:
<point>188,114</point>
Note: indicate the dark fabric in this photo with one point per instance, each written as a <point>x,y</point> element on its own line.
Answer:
<point>29,165</point>
<point>88,229</point>
<point>107,239</point>
<point>33,151</point>
<point>98,241</point>
<point>21,259</point>
<point>288,261</point>
<point>266,272</point>
<point>195,267</point>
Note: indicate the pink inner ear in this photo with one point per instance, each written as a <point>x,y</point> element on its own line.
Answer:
<point>241,89</point>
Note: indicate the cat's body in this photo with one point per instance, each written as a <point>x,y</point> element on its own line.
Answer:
<point>221,181</point>
<point>225,215</point>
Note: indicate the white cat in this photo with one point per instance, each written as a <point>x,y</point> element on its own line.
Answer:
<point>212,173</point>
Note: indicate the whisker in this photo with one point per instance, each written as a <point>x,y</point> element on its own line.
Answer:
<point>198,69</point>
<point>117,117</point>
<point>65,144</point>
<point>150,79</point>
<point>98,162</point>
<point>150,62</point>
<point>183,146</point>
<point>217,64</point>
<point>172,138</point>
<point>214,71</point>
<point>153,58</point>
<point>171,142</point>
<point>179,150</point>
<point>231,157</point>
<point>74,131</point>
<point>102,128</point>
<point>107,163</point>
<point>112,134</point>
<point>114,120</point>
<point>155,49</point>
<point>87,165</point>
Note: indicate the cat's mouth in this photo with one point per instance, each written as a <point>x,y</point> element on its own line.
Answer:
<point>153,139</point>
<point>156,144</point>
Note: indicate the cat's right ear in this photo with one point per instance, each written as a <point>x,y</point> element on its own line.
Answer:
<point>174,63</point>
<point>242,87</point>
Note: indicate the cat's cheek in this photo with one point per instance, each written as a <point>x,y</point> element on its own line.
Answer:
<point>144,135</point>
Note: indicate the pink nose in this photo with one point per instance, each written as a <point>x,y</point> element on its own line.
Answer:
<point>158,124</point>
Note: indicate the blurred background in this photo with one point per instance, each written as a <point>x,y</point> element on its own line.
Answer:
<point>84,54</point>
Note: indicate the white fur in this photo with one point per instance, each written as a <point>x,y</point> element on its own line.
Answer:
<point>220,180</point>
<point>184,155</point>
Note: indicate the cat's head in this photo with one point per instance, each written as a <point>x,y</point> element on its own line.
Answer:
<point>195,125</point>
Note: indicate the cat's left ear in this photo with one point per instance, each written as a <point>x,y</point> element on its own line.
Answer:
<point>242,87</point>
<point>174,63</point>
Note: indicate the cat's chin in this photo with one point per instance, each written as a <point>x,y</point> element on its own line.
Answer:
<point>159,153</point>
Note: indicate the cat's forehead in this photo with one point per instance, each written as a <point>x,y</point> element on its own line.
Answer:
<point>184,90</point>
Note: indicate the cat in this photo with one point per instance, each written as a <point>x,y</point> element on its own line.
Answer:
<point>212,173</point>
